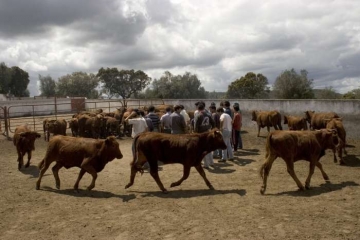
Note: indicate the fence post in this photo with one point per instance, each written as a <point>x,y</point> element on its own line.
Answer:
<point>55,108</point>
<point>6,119</point>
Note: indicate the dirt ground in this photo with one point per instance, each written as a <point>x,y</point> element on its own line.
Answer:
<point>235,210</point>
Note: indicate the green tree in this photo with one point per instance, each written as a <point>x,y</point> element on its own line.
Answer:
<point>291,85</point>
<point>5,78</point>
<point>19,82</point>
<point>327,93</point>
<point>124,83</point>
<point>169,86</point>
<point>353,94</point>
<point>251,86</point>
<point>78,84</point>
<point>47,86</point>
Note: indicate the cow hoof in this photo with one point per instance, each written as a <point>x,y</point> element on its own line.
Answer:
<point>307,187</point>
<point>174,185</point>
<point>27,165</point>
<point>37,187</point>
<point>262,191</point>
<point>57,186</point>
<point>165,191</point>
<point>211,187</point>
<point>128,185</point>
<point>342,163</point>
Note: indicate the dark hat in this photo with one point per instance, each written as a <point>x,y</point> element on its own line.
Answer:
<point>136,111</point>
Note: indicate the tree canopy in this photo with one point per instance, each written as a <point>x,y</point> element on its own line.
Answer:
<point>122,83</point>
<point>326,93</point>
<point>5,78</point>
<point>47,86</point>
<point>14,81</point>
<point>353,94</point>
<point>78,84</point>
<point>291,85</point>
<point>171,86</point>
<point>250,86</point>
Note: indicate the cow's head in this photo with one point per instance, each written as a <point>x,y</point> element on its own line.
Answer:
<point>110,149</point>
<point>218,140</point>
<point>254,115</point>
<point>28,139</point>
<point>327,138</point>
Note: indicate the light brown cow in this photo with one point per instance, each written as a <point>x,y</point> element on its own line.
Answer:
<point>90,155</point>
<point>292,146</point>
<point>316,120</point>
<point>56,127</point>
<point>186,149</point>
<point>24,141</point>
<point>295,123</point>
<point>336,123</point>
<point>267,119</point>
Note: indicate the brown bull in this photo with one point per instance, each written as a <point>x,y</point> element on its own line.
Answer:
<point>186,149</point>
<point>267,119</point>
<point>336,123</point>
<point>24,141</point>
<point>316,120</point>
<point>292,146</point>
<point>90,155</point>
<point>295,123</point>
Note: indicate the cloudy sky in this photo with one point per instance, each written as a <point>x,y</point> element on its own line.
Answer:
<point>219,40</point>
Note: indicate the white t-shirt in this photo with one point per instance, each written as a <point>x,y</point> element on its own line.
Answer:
<point>139,126</point>
<point>226,119</point>
<point>185,115</point>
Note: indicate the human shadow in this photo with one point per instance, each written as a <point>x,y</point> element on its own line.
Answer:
<point>32,170</point>
<point>192,193</point>
<point>92,194</point>
<point>220,168</point>
<point>351,161</point>
<point>243,161</point>
<point>247,152</point>
<point>318,190</point>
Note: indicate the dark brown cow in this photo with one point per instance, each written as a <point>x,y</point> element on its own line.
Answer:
<point>186,149</point>
<point>267,119</point>
<point>56,127</point>
<point>295,123</point>
<point>90,155</point>
<point>74,126</point>
<point>297,145</point>
<point>336,123</point>
<point>316,120</point>
<point>90,126</point>
<point>24,141</point>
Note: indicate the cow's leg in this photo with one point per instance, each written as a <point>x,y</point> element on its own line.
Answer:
<point>134,170</point>
<point>202,173</point>
<point>55,169</point>
<point>29,157</point>
<point>90,169</point>
<point>268,129</point>
<point>325,176</point>
<point>186,172</point>
<point>258,131</point>
<point>42,171</point>
<point>155,174</point>
<point>290,170</point>
<point>81,174</point>
<point>311,172</point>
<point>265,170</point>
<point>339,150</point>
<point>20,159</point>
<point>334,153</point>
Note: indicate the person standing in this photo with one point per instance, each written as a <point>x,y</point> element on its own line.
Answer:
<point>216,117</point>
<point>178,125</point>
<point>237,124</point>
<point>226,129</point>
<point>165,121</point>
<point>154,118</point>
<point>203,122</point>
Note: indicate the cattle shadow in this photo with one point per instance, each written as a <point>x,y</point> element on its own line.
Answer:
<point>351,161</point>
<point>192,193</point>
<point>32,170</point>
<point>318,190</point>
<point>90,194</point>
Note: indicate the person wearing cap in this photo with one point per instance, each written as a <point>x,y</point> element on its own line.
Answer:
<point>178,125</point>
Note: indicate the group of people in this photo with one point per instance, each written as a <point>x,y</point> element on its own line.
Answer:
<point>223,118</point>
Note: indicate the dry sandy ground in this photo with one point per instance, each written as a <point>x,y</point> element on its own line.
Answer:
<point>235,210</point>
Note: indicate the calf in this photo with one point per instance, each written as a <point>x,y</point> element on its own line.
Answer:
<point>336,123</point>
<point>24,141</point>
<point>186,149</point>
<point>90,155</point>
<point>56,127</point>
<point>267,119</point>
<point>295,123</point>
<point>292,146</point>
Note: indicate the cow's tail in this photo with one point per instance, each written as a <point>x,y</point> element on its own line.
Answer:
<point>267,154</point>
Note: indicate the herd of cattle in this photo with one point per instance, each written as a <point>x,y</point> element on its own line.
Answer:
<point>93,144</point>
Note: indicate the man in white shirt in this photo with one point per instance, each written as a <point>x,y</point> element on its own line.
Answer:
<point>226,129</point>
<point>138,122</point>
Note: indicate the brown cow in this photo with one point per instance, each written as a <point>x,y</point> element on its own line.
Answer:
<point>186,149</point>
<point>336,123</point>
<point>295,123</point>
<point>297,145</point>
<point>316,120</point>
<point>74,126</point>
<point>90,155</point>
<point>24,141</point>
<point>56,127</point>
<point>90,126</point>
<point>267,119</point>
